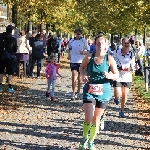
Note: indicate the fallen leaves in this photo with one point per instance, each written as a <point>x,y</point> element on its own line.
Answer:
<point>143,109</point>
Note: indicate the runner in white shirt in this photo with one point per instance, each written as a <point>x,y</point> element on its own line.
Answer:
<point>78,48</point>
<point>127,60</point>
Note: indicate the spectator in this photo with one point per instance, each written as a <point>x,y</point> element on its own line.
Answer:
<point>7,55</point>
<point>37,55</point>
<point>22,52</point>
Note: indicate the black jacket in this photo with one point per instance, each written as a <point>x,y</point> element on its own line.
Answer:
<point>8,42</point>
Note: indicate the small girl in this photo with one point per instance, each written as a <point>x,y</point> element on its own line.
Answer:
<point>50,72</point>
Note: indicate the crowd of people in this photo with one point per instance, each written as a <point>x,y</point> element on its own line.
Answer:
<point>91,62</point>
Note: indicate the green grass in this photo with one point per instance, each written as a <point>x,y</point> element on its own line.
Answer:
<point>139,85</point>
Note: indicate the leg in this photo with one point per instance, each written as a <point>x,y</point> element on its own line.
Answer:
<point>32,66</point>
<point>125,90</point>
<point>24,67</point>
<point>79,83</point>
<point>59,53</point>
<point>53,88</point>
<point>49,81</point>
<point>99,111</point>
<point>117,91</point>
<point>74,80</point>
<point>9,69</point>
<point>38,66</point>
<point>146,78</point>
<point>2,68</point>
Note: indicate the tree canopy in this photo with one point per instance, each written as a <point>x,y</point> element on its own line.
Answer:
<point>91,15</point>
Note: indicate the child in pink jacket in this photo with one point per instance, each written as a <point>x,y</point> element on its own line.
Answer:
<point>51,71</point>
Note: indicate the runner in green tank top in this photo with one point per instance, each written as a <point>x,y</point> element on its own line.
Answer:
<point>97,89</point>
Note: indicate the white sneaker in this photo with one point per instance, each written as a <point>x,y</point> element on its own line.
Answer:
<point>73,96</point>
<point>102,124</point>
<point>77,96</point>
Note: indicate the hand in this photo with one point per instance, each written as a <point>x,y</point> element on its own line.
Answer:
<point>69,57</point>
<point>81,53</point>
<point>85,79</point>
<point>107,75</point>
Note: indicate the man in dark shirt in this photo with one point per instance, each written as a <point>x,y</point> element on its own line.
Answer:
<point>8,44</point>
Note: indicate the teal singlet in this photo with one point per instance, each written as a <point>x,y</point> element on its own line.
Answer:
<point>98,87</point>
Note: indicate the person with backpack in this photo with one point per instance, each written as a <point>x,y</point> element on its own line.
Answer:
<point>8,49</point>
<point>97,89</point>
<point>37,55</point>
<point>54,46</point>
<point>123,84</point>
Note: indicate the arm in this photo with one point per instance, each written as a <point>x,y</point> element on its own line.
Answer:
<point>69,51</point>
<point>57,68</point>
<point>83,67</point>
<point>133,65</point>
<point>114,74</point>
<point>87,48</point>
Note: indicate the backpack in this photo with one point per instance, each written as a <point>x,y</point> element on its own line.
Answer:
<point>54,46</point>
<point>4,52</point>
<point>37,50</point>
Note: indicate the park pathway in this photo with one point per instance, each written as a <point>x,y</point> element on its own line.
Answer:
<point>40,124</point>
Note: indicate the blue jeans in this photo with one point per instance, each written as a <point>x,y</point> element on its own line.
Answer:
<point>34,60</point>
<point>29,62</point>
<point>49,82</point>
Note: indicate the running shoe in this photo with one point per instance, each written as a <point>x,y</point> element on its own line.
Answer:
<point>52,98</point>
<point>121,114</point>
<point>83,144</point>
<point>73,96</point>
<point>101,124</point>
<point>77,96</point>
<point>91,146</point>
<point>47,94</point>
<point>116,101</point>
<point>11,90</point>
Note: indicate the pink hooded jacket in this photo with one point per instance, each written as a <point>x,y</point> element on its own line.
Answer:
<point>49,71</point>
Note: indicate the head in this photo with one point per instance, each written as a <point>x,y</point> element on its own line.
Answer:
<point>101,33</point>
<point>16,31</point>
<point>38,37</point>
<point>52,59</point>
<point>90,42</point>
<point>78,33</point>
<point>22,33</point>
<point>137,43</point>
<point>34,33</point>
<point>101,44</point>
<point>9,29</point>
<point>125,43</point>
<point>148,45</point>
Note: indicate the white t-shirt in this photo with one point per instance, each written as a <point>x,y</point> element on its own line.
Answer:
<point>127,61</point>
<point>75,46</point>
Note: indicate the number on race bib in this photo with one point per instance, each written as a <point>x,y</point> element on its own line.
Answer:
<point>96,89</point>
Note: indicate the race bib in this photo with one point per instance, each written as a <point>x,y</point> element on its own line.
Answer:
<point>96,89</point>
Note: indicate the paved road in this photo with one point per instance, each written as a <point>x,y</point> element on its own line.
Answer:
<point>44,125</point>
